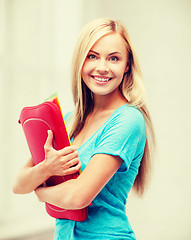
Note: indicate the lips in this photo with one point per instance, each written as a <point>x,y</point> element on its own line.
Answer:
<point>101,79</point>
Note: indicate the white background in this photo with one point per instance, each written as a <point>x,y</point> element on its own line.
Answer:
<point>37,39</point>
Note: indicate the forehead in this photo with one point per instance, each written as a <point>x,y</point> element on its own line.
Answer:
<point>110,43</point>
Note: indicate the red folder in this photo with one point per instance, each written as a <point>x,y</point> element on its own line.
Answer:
<point>36,121</point>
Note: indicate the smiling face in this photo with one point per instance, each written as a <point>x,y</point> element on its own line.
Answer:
<point>105,65</point>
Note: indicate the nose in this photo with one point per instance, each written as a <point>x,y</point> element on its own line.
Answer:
<point>102,67</point>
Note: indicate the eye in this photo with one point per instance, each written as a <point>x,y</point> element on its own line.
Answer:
<point>92,56</point>
<point>114,59</point>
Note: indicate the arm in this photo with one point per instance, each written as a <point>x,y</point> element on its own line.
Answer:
<point>62,162</point>
<point>79,193</point>
<point>30,177</point>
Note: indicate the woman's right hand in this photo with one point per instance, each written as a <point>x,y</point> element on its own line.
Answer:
<point>62,162</point>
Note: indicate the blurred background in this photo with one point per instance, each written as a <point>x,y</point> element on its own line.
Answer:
<point>37,39</point>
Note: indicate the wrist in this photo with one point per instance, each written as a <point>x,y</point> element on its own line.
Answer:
<point>44,170</point>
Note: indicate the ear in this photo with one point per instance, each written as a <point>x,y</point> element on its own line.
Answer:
<point>127,67</point>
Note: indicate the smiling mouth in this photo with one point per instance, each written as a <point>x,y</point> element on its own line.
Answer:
<point>101,79</point>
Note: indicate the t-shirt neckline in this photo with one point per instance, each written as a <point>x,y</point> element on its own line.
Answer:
<point>102,126</point>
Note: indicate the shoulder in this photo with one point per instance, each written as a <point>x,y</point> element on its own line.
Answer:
<point>128,117</point>
<point>124,135</point>
<point>67,116</point>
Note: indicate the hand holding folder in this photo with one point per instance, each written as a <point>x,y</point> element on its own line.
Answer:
<point>36,121</point>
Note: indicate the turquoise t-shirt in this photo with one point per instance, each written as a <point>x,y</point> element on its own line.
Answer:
<point>124,135</point>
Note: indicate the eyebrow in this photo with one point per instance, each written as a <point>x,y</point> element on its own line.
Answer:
<point>108,54</point>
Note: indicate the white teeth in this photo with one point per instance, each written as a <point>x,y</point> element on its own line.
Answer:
<point>101,79</point>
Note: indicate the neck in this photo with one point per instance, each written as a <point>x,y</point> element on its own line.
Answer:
<point>108,102</point>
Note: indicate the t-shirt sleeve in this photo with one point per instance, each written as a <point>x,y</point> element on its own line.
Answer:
<point>124,136</point>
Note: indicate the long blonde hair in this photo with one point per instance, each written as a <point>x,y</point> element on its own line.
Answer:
<point>132,88</point>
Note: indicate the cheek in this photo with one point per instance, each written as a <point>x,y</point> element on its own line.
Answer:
<point>119,72</point>
<point>86,72</point>
<point>86,69</point>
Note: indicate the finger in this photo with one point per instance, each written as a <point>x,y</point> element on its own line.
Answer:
<point>67,150</point>
<point>73,170</point>
<point>74,147</point>
<point>67,158</point>
<point>72,163</point>
<point>48,143</point>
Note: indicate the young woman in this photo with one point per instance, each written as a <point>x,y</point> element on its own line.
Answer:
<point>112,138</point>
